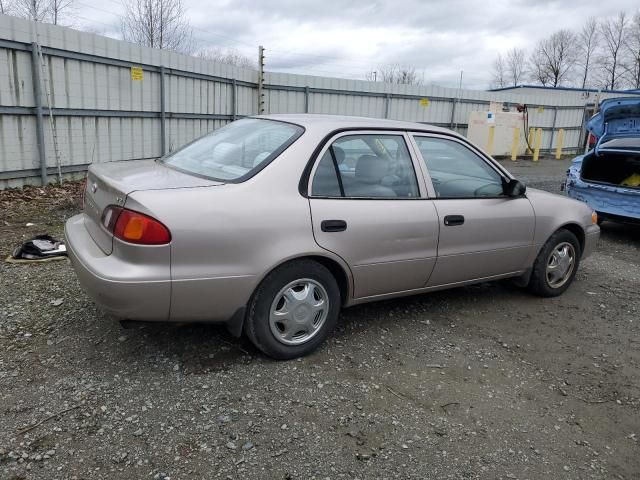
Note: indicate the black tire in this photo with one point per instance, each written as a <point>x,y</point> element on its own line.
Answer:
<point>539,283</point>
<point>257,325</point>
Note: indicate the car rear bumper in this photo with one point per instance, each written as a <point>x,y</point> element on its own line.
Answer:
<point>117,285</point>
<point>608,201</point>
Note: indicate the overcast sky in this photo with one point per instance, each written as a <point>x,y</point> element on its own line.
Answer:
<point>351,37</point>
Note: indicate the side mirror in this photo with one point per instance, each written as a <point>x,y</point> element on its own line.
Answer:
<point>514,188</point>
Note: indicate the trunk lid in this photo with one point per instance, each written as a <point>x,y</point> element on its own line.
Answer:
<point>110,183</point>
<point>617,126</point>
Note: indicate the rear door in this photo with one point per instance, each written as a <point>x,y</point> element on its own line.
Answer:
<point>483,232</point>
<point>369,207</point>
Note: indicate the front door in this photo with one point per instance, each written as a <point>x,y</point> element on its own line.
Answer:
<point>368,207</point>
<point>483,232</point>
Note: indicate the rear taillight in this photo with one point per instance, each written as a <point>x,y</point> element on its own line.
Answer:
<point>134,227</point>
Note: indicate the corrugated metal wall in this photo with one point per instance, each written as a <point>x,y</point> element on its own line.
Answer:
<point>101,114</point>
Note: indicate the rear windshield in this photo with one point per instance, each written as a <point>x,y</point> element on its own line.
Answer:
<point>236,151</point>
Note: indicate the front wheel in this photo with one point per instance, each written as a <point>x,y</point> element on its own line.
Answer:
<point>293,310</point>
<point>556,264</point>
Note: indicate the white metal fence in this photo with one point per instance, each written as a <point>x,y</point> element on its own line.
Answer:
<point>69,98</point>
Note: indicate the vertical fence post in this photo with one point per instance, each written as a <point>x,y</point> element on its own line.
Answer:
<point>387,100</point>
<point>37,94</point>
<point>453,113</point>
<point>536,147</point>
<point>234,99</point>
<point>530,140</point>
<point>163,114</point>
<point>516,142</point>
<point>583,141</point>
<point>553,127</point>
<point>260,80</point>
<point>306,99</point>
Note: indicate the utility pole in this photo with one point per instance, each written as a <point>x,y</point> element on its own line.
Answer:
<point>260,80</point>
<point>455,102</point>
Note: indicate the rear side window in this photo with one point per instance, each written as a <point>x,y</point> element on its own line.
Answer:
<point>366,166</point>
<point>235,151</point>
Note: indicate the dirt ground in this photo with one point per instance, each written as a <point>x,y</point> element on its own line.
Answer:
<point>478,382</point>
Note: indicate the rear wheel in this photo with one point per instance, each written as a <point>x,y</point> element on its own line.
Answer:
<point>556,264</point>
<point>293,310</point>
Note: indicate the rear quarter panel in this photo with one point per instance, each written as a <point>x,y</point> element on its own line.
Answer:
<point>226,238</point>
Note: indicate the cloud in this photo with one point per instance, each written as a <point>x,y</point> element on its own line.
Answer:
<point>349,38</point>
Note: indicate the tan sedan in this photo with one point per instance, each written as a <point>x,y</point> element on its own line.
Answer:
<point>272,224</point>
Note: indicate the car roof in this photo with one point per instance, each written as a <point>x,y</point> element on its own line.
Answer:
<point>339,122</point>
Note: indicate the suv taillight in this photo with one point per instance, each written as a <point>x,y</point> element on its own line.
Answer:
<point>134,227</point>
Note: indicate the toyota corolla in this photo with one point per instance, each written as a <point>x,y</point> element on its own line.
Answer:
<point>272,224</point>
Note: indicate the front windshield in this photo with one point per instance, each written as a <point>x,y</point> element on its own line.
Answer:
<point>235,150</point>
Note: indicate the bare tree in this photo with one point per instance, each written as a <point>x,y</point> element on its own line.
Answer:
<point>157,24</point>
<point>395,73</point>
<point>36,10</point>
<point>499,75</point>
<point>632,44</point>
<point>587,45</point>
<point>6,7</point>
<point>613,33</point>
<point>59,10</point>
<point>538,68</point>
<point>554,57</point>
<point>46,11</point>
<point>515,65</point>
<point>230,57</point>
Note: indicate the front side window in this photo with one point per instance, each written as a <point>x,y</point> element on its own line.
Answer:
<point>456,171</point>
<point>366,166</point>
<point>236,150</point>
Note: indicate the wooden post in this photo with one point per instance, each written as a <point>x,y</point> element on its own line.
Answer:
<point>536,147</point>
<point>559,143</point>
<point>37,94</point>
<point>530,142</point>
<point>516,142</point>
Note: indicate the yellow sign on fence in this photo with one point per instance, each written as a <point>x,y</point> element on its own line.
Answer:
<point>424,102</point>
<point>136,73</point>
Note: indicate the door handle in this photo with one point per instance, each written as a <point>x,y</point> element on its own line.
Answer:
<point>453,220</point>
<point>333,225</point>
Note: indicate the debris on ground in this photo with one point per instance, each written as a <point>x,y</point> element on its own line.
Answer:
<point>39,248</point>
<point>478,382</point>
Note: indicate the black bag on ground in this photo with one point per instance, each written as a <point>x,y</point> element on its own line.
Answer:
<point>40,247</point>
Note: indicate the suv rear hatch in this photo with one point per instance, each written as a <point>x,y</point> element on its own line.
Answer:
<point>110,183</point>
<point>615,159</point>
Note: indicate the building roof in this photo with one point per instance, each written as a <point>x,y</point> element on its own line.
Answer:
<point>569,89</point>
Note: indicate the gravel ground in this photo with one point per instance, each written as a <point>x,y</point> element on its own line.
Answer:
<point>477,382</point>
